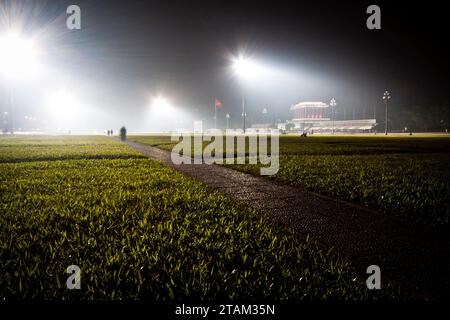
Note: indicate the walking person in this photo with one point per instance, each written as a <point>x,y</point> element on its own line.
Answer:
<point>123,133</point>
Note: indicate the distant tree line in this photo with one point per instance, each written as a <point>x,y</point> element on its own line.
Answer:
<point>419,118</point>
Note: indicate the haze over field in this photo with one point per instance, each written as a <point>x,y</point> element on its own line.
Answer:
<point>125,55</point>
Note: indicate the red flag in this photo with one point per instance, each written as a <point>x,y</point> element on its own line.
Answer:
<point>218,103</point>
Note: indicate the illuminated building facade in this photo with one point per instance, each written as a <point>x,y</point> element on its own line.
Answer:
<point>315,116</point>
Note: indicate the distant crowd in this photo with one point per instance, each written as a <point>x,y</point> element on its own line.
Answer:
<point>123,133</point>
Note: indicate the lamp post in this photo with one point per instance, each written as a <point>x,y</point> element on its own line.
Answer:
<point>332,104</point>
<point>264,112</point>
<point>248,70</point>
<point>386,98</point>
<point>244,114</point>
<point>5,121</point>
<point>228,120</point>
<point>17,61</point>
<point>244,68</point>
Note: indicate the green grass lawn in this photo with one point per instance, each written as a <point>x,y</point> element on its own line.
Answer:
<point>139,230</point>
<point>41,148</point>
<point>406,176</point>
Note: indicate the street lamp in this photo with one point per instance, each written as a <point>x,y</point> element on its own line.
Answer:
<point>5,121</point>
<point>244,68</point>
<point>228,120</point>
<point>332,104</point>
<point>264,112</point>
<point>18,56</point>
<point>18,60</point>
<point>244,115</point>
<point>386,98</point>
<point>241,66</point>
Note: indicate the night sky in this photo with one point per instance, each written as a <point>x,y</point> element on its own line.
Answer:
<point>128,51</point>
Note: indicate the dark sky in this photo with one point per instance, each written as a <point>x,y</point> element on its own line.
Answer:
<point>133,49</point>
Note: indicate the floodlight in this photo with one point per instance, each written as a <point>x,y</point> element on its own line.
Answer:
<point>160,102</point>
<point>63,107</point>
<point>245,68</point>
<point>18,56</point>
<point>162,109</point>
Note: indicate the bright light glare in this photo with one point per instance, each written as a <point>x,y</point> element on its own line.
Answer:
<point>164,115</point>
<point>63,108</point>
<point>162,108</point>
<point>161,102</point>
<point>246,68</point>
<point>18,57</point>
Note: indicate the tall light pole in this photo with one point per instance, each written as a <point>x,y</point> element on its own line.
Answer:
<point>244,114</point>
<point>228,120</point>
<point>332,104</point>
<point>17,61</point>
<point>386,98</point>
<point>264,112</point>
<point>245,69</point>
<point>5,121</point>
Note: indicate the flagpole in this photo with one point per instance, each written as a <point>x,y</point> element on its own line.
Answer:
<point>215,114</point>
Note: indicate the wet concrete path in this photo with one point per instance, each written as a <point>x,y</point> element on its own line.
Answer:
<point>416,256</point>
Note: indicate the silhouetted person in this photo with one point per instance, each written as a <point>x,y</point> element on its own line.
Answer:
<point>123,134</point>
<point>108,133</point>
<point>112,132</point>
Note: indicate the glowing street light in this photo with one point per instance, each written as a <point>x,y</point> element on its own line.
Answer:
<point>386,98</point>
<point>18,57</point>
<point>247,69</point>
<point>64,109</point>
<point>264,113</point>
<point>18,61</point>
<point>243,67</point>
<point>160,102</point>
<point>163,111</point>
<point>332,104</point>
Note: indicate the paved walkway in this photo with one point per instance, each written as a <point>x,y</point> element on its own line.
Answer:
<point>415,256</point>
